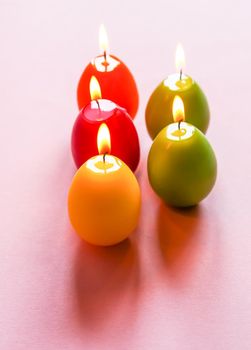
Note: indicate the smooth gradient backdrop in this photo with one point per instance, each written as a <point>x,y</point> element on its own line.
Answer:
<point>183,280</point>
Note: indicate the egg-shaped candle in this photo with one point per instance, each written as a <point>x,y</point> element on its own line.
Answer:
<point>104,197</point>
<point>182,166</point>
<point>124,137</point>
<point>159,107</point>
<point>116,80</point>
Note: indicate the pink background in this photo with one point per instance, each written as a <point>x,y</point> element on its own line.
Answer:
<point>183,280</point>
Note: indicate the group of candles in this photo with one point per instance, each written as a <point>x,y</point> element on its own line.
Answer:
<point>104,198</point>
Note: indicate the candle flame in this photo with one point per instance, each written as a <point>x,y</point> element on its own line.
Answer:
<point>104,139</point>
<point>178,110</point>
<point>180,58</point>
<point>95,90</point>
<point>103,39</point>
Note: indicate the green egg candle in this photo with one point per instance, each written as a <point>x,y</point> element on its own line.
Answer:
<point>181,165</point>
<point>159,108</point>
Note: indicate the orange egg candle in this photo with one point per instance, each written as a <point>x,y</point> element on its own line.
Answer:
<point>104,197</point>
<point>116,81</point>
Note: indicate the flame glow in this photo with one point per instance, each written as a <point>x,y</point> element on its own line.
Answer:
<point>103,39</point>
<point>178,109</point>
<point>180,58</point>
<point>95,90</point>
<point>104,139</point>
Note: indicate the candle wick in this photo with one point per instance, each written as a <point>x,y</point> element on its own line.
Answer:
<point>179,124</point>
<point>104,157</point>
<point>98,104</point>
<point>99,110</point>
<point>181,74</point>
<point>105,58</point>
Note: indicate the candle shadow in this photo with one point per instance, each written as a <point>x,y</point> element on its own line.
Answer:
<point>140,170</point>
<point>179,232</point>
<point>103,278</point>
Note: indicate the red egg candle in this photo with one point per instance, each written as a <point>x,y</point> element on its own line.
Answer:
<point>124,137</point>
<point>116,81</point>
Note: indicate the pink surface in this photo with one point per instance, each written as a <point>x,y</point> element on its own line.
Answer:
<point>183,281</point>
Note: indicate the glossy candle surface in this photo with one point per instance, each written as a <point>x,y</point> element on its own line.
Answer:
<point>104,201</point>
<point>181,165</point>
<point>159,108</point>
<point>124,137</point>
<point>116,81</point>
